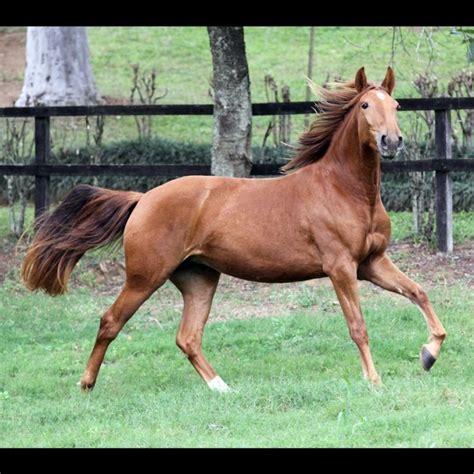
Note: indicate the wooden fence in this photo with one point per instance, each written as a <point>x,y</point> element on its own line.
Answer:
<point>442,164</point>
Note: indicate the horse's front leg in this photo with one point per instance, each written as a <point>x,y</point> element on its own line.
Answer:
<point>343,274</point>
<point>381,271</point>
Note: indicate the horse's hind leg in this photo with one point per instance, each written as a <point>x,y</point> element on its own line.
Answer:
<point>197,283</point>
<point>129,300</point>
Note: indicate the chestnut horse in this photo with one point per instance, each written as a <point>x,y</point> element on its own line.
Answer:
<point>323,218</point>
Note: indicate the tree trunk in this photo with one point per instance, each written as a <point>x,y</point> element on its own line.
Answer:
<point>57,70</point>
<point>231,149</point>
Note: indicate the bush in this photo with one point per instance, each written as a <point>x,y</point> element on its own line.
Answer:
<point>154,151</point>
<point>396,193</point>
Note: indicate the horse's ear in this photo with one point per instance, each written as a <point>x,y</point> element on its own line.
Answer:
<point>389,82</point>
<point>361,80</point>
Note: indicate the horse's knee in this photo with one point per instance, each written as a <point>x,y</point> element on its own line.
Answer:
<point>359,334</point>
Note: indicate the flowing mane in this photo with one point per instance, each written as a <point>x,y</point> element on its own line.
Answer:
<point>333,107</point>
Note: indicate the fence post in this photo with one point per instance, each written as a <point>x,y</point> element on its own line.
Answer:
<point>444,185</point>
<point>42,150</point>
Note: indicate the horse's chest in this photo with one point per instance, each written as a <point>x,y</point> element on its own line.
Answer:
<point>364,240</point>
<point>378,233</point>
<point>362,245</point>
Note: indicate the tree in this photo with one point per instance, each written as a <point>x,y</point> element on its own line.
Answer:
<point>57,70</point>
<point>231,149</point>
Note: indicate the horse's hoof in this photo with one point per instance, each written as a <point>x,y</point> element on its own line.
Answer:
<point>427,360</point>
<point>218,385</point>
<point>377,382</point>
<point>85,386</point>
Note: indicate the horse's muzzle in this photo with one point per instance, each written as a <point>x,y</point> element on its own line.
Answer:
<point>389,146</point>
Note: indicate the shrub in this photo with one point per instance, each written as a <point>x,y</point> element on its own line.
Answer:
<point>396,193</point>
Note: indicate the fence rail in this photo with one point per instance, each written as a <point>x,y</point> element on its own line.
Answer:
<point>443,163</point>
<point>258,169</point>
<point>439,103</point>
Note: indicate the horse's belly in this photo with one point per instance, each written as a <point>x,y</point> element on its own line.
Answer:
<point>261,268</point>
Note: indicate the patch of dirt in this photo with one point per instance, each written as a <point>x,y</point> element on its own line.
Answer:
<point>240,300</point>
<point>429,265</point>
<point>421,263</point>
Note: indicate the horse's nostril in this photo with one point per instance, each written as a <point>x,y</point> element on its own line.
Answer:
<point>400,142</point>
<point>384,140</point>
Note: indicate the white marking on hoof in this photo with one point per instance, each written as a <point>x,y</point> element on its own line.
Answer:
<point>218,385</point>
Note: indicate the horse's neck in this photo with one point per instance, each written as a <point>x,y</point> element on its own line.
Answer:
<point>354,167</point>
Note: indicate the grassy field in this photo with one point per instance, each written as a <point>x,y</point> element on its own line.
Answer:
<point>296,373</point>
<point>284,348</point>
<point>182,57</point>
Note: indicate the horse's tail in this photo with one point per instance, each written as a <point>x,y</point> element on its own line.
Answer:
<point>88,218</point>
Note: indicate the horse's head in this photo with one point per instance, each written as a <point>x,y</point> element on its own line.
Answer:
<point>377,117</point>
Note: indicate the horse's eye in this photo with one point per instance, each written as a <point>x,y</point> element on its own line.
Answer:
<point>365,105</point>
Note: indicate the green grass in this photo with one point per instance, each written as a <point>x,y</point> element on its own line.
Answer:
<point>182,58</point>
<point>296,370</point>
<point>297,375</point>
